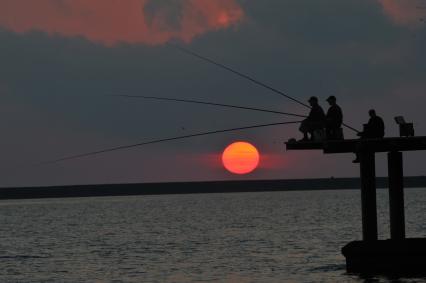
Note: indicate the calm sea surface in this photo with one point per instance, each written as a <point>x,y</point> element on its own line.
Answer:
<point>244,237</point>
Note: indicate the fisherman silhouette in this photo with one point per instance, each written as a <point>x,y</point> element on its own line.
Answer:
<point>315,120</point>
<point>333,120</point>
<point>374,129</point>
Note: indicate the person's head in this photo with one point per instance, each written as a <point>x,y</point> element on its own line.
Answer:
<point>372,113</point>
<point>331,100</point>
<point>313,100</point>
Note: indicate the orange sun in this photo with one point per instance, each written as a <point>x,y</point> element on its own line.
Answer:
<point>240,158</point>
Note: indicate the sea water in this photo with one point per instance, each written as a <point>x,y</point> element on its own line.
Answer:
<point>241,237</point>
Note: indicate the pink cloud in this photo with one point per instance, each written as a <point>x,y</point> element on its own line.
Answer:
<point>113,21</point>
<point>403,12</point>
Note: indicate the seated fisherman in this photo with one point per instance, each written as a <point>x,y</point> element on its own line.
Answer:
<point>374,129</point>
<point>334,120</point>
<point>315,120</point>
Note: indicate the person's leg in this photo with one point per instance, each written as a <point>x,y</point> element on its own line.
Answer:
<point>304,129</point>
<point>334,133</point>
<point>328,133</point>
<point>356,160</point>
<point>339,133</point>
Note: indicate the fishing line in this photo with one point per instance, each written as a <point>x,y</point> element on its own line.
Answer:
<point>220,65</point>
<point>88,154</point>
<point>210,103</point>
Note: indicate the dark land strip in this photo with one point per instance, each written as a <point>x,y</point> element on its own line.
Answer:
<point>197,187</point>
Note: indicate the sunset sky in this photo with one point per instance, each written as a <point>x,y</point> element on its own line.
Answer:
<point>62,60</point>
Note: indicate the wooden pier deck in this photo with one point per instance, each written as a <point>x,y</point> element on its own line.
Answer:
<point>356,145</point>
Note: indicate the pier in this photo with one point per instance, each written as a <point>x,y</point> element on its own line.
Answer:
<point>397,255</point>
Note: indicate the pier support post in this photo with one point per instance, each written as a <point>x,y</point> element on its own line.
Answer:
<point>368,196</point>
<point>396,195</point>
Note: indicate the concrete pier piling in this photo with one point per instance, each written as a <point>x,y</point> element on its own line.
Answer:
<point>398,255</point>
<point>396,195</point>
<point>368,196</point>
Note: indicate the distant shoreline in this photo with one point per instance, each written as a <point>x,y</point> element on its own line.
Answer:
<point>196,187</point>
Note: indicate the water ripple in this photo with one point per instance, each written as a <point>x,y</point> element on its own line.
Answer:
<point>247,237</point>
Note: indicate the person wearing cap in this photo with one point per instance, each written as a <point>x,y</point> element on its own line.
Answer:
<point>333,120</point>
<point>314,121</point>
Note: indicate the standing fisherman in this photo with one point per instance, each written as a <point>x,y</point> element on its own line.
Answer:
<point>315,121</point>
<point>334,120</point>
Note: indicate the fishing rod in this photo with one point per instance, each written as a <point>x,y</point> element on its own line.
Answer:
<point>82,155</point>
<point>211,103</point>
<point>251,79</point>
<point>220,65</point>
